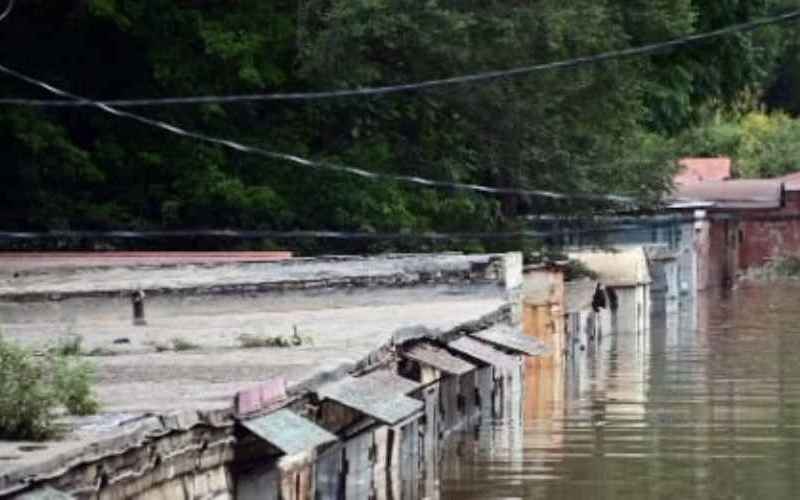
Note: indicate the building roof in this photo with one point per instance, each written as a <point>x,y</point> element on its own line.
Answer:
<point>695,170</point>
<point>380,395</point>
<point>513,339</point>
<point>439,358</point>
<point>626,266</point>
<point>791,182</point>
<point>733,194</point>
<point>482,352</point>
<point>289,432</point>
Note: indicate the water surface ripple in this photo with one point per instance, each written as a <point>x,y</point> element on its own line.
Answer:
<point>706,405</point>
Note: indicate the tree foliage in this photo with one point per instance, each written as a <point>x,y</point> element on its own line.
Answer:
<point>589,129</point>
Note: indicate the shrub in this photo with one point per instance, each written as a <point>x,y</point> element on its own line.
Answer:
<point>32,388</point>
<point>180,344</point>
<point>294,340</point>
<point>27,400</point>
<point>254,341</point>
<point>787,267</point>
<point>68,346</point>
<point>576,270</point>
<point>73,383</point>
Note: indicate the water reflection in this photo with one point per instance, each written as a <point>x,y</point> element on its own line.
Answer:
<point>705,405</point>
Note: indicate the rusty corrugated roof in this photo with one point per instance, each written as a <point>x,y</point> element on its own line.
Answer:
<point>289,432</point>
<point>482,352</point>
<point>703,169</point>
<point>733,194</point>
<point>625,266</point>
<point>380,395</point>
<point>438,358</point>
<point>513,339</point>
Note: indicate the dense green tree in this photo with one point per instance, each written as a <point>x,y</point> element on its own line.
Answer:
<point>588,129</point>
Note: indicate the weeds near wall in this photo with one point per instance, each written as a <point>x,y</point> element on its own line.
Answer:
<point>34,388</point>
<point>788,267</point>
<point>779,269</point>
<point>71,345</point>
<point>180,344</point>
<point>250,341</point>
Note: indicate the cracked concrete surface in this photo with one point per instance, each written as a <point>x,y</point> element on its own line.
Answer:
<point>347,324</point>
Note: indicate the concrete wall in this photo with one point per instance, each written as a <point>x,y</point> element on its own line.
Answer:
<point>195,455</point>
<point>633,309</point>
<point>675,230</point>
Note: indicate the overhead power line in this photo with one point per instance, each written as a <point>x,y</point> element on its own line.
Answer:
<point>431,84</point>
<point>7,10</point>
<point>337,235</point>
<point>305,162</point>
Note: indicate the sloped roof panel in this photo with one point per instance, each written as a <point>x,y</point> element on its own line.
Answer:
<point>791,182</point>
<point>703,169</point>
<point>482,352</point>
<point>733,194</point>
<point>512,339</point>
<point>438,358</point>
<point>289,432</point>
<point>380,395</point>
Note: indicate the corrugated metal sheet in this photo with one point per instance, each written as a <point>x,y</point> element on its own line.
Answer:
<point>289,432</point>
<point>482,352</point>
<point>626,266</point>
<point>380,395</point>
<point>703,169</point>
<point>438,358</point>
<point>45,493</point>
<point>733,194</point>
<point>578,295</point>
<point>512,339</point>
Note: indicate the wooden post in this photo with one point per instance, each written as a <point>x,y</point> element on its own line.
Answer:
<point>137,299</point>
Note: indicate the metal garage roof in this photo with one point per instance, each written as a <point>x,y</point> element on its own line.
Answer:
<point>438,358</point>
<point>380,395</point>
<point>289,432</point>
<point>482,352</point>
<point>512,339</point>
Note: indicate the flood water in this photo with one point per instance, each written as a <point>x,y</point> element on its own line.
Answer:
<point>705,405</point>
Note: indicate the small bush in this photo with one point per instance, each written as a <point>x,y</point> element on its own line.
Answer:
<point>27,401</point>
<point>576,270</point>
<point>254,341</point>
<point>180,344</point>
<point>294,340</point>
<point>73,383</point>
<point>32,388</point>
<point>68,346</point>
<point>788,267</point>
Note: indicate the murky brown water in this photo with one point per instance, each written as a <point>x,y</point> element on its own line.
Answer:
<point>707,405</point>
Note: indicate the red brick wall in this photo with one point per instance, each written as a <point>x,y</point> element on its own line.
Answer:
<point>763,240</point>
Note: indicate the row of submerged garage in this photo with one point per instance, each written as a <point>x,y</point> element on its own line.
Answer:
<point>379,434</point>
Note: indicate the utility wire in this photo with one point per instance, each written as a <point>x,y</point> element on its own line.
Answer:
<point>298,160</point>
<point>337,235</point>
<point>8,10</point>
<point>652,48</point>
